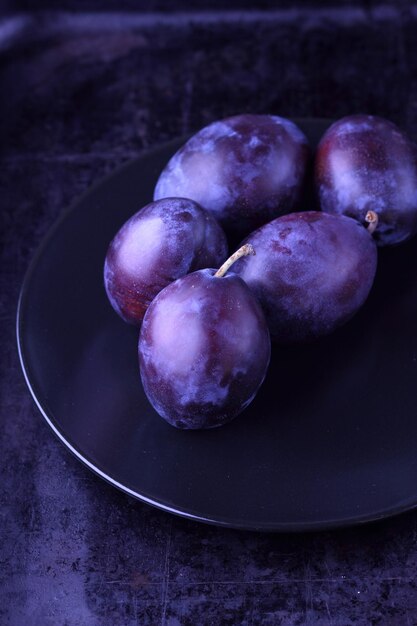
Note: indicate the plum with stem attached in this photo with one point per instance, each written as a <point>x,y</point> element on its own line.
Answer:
<point>363,163</point>
<point>204,348</point>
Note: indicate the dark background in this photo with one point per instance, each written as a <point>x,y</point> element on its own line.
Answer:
<point>84,87</point>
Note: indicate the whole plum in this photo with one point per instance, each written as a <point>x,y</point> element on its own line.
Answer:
<point>245,170</point>
<point>363,163</point>
<point>204,350</point>
<point>158,244</point>
<point>311,273</point>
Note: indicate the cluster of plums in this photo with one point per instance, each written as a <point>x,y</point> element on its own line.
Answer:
<point>204,344</point>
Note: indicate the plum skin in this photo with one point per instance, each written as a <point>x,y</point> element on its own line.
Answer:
<point>311,273</point>
<point>204,350</point>
<point>364,162</point>
<point>158,244</point>
<point>245,170</point>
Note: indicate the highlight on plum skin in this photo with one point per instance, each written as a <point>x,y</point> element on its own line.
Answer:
<point>312,272</point>
<point>158,244</point>
<point>245,170</point>
<point>204,350</point>
<point>365,162</point>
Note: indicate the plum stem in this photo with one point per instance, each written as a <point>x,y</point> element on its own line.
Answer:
<point>372,218</point>
<point>245,250</point>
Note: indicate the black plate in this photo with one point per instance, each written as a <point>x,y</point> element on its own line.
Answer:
<point>330,440</point>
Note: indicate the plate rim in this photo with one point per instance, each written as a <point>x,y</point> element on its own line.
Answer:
<point>275,527</point>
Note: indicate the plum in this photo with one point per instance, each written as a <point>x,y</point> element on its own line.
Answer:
<point>245,170</point>
<point>158,244</point>
<point>311,273</point>
<point>363,163</point>
<point>204,349</point>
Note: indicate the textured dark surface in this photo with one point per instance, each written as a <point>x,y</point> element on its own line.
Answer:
<point>80,94</point>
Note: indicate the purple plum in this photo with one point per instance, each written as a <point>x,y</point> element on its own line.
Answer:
<point>363,163</point>
<point>158,244</point>
<point>204,349</point>
<point>245,170</point>
<point>311,273</point>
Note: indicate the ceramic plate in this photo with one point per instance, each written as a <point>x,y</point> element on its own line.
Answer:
<point>330,440</point>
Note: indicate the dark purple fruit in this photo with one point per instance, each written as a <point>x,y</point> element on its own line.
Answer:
<point>245,170</point>
<point>311,273</point>
<point>363,163</point>
<point>204,349</point>
<point>160,243</point>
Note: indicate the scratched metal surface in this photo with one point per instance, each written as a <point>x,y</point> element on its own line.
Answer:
<point>81,94</point>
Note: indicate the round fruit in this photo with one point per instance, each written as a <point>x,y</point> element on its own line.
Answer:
<point>311,273</point>
<point>160,243</point>
<point>245,170</point>
<point>204,349</point>
<point>363,163</point>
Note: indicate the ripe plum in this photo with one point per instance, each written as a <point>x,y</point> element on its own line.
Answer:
<point>311,273</point>
<point>204,349</point>
<point>161,242</point>
<point>245,170</point>
<point>363,163</point>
